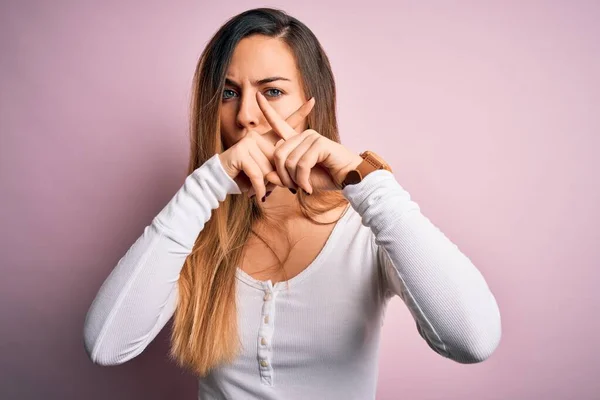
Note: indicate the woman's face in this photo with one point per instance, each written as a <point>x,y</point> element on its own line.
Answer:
<point>264,64</point>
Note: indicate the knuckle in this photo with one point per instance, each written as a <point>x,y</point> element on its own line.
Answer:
<point>277,156</point>
<point>302,164</point>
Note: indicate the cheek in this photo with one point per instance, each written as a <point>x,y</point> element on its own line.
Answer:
<point>287,106</point>
<point>224,114</point>
<point>285,109</point>
<point>227,119</point>
<point>227,127</point>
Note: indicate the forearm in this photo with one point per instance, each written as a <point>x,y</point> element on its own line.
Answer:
<point>140,294</point>
<point>448,297</point>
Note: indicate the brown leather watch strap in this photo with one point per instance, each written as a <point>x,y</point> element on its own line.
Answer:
<point>370,163</point>
<point>357,175</point>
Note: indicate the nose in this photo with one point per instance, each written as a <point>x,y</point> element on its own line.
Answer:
<point>249,115</point>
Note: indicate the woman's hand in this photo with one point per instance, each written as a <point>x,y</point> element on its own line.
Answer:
<point>296,155</point>
<point>249,161</point>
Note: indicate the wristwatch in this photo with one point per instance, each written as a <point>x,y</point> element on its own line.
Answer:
<point>371,162</point>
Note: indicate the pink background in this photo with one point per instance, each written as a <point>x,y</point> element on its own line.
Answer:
<point>488,112</point>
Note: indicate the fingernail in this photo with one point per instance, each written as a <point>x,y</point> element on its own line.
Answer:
<point>292,190</point>
<point>268,193</point>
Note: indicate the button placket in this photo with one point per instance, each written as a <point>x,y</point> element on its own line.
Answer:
<point>265,334</point>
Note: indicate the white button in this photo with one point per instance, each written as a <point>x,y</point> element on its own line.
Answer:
<point>266,319</point>
<point>263,341</point>
<point>267,297</point>
<point>263,363</point>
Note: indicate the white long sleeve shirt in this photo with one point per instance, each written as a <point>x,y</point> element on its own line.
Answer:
<point>318,337</point>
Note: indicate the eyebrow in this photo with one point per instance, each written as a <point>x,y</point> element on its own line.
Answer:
<point>259,82</point>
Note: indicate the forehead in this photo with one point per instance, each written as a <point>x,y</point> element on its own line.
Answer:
<point>258,57</point>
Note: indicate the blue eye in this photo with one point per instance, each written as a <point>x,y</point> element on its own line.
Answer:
<point>277,93</point>
<point>227,92</point>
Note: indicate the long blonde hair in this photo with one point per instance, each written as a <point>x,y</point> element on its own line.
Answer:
<point>205,332</point>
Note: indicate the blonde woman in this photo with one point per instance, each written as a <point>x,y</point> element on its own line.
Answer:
<point>284,297</point>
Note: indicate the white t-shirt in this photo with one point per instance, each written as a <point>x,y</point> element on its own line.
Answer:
<point>316,337</point>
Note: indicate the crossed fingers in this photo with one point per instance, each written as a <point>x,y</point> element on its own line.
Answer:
<point>281,129</point>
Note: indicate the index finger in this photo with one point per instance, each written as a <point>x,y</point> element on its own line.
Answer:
<point>284,128</point>
<point>295,120</point>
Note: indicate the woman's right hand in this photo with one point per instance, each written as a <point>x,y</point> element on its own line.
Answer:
<point>250,160</point>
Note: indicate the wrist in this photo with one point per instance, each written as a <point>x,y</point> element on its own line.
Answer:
<point>356,161</point>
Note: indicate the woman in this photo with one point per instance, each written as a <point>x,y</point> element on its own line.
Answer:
<point>284,298</point>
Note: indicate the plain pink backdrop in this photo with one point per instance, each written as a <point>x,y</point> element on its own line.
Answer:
<point>489,113</point>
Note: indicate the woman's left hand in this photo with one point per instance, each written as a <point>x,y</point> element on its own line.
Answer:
<point>296,154</point>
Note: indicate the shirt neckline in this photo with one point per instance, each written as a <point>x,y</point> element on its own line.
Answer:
<point>268,284</point>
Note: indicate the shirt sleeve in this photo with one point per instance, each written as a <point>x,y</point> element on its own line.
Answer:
<point>450,301</point>
<point>140,295</point>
